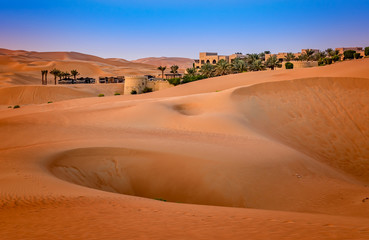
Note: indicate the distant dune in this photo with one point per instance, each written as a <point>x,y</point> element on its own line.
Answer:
<point>23,67</point>
<point>182,63</point>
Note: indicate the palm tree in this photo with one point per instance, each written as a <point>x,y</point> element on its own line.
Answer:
<point>252,58</point>
<point>257,65</point>
<point>43,74</point>
<point>334,54</point>
<point>174,70</point>
<point>60,75</point>
<point>222,67</point>
<point>67,75</point>
<point>46,71</point>
<point>44,77</point>
<point>309,54</point>
<point>191,71</point>
<point>330,52</point>
<point>56,73</point>
<point>273,62</point>
<point>289,57</point>
<point>319,55</point>
<point>207,69</point>
<point>302,57</point>
<point>162,69</point>
<point>74,73</point>
<point>239,65</point>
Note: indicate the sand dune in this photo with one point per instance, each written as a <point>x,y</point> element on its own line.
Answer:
<point>26,66</point>
<point>284,153</point>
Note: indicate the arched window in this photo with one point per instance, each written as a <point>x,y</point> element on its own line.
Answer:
<point>207,61</point>
<point>214,61</point>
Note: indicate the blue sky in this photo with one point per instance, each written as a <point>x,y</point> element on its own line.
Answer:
<point>140,28</point>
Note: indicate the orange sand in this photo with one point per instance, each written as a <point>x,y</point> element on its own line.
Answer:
<point>23,67</point>
<point>272,155</point>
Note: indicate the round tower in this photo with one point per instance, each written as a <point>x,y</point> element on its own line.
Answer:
<point>134,83</point>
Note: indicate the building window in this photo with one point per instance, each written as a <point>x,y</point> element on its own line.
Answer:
<point>214,61</point>
<point>202,62</point>
<point>207,61</point>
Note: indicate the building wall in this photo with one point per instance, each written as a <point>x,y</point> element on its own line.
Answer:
<point>158,85</point>
<point>214,58</point>
<point>137,83</point>
<point>357,49</point>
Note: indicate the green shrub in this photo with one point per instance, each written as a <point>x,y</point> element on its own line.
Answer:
<point>335,58</point>
<point>321,62</point>
<point>187,78</point>
<point>50,102</point>
<point>349,54</point>
<point>288,65</point>
<point>160,199</point>
<point>325,61</point>
<point>367,51</point>
<point>174,81</point>
<point>146,90</point>
<point>357,55</point>
<point>101,95</point>
<point>133,92</point>
<point>16,106</point>
<point>10,107</point>
<point>116,94</point>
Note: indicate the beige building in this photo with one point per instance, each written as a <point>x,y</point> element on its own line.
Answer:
<point>139,83</point>
<point>214,58</point>
<point>357,49</point>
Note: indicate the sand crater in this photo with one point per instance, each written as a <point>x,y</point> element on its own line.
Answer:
<point>141,173</point>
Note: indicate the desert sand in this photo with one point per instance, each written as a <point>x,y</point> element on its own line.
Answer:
<point>19,67</point>
<point>261,155</point>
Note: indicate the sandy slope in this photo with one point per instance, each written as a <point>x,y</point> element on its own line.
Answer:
<point>289,148</point>
<point>19,95</point>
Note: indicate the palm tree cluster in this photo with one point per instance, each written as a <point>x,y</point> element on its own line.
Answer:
<point>327,56</point>
<point>252,62</point>
<point>64,75</point>
<point>335,55</point>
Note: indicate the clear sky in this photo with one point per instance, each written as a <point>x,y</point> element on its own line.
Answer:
<point>140,28</point>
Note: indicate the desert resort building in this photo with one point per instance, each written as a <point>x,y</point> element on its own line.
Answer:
<point>281,56</point>
<point>214,58</point>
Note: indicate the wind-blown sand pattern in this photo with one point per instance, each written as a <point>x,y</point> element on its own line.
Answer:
<point>263,155</point>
